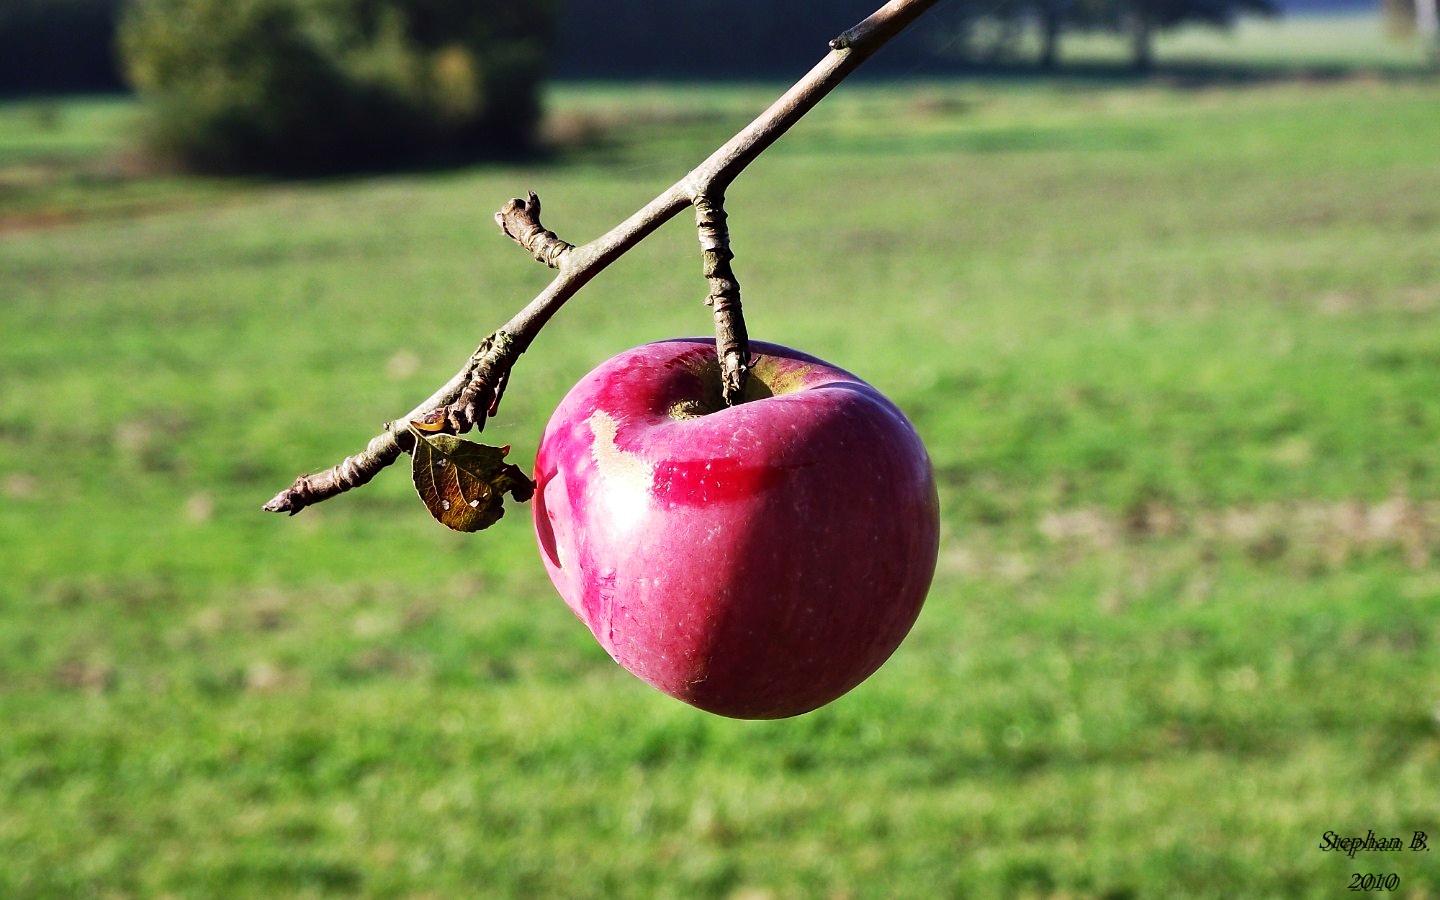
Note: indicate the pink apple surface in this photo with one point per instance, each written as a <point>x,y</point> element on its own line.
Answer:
<point>756,561</point>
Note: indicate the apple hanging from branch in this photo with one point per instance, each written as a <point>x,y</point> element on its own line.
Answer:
<point>743,526</point>
<point>756,560</point>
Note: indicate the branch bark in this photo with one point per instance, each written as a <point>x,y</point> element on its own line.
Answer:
<point>474,393</point>
<point>520,220</point>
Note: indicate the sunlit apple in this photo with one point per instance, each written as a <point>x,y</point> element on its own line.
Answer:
<point>756,561</point>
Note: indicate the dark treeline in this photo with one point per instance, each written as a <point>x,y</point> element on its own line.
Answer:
<point>51,46</point>
<point>69,45</point>
<point>702,39</point>
<point>54,46</point>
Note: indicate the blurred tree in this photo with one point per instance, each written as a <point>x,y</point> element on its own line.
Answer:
<point>310,86</point>
<point>49,46</point>
<point>1139,19</point>
<point>1400,16</point>
<point>1427,20</point>
<point>1407,18</point>
<point>1050,17</point>
<point>1142,18</point>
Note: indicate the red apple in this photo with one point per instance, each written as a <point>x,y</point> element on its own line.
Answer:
<point>756,561</point>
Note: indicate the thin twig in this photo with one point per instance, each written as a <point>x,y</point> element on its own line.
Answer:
<point>520,220</point>
<point>474,392</point>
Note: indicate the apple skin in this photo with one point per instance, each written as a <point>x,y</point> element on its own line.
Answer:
<point>756,561</point>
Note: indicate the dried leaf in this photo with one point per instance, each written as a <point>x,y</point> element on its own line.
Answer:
<point>435,423</point>
<point>463,483</point>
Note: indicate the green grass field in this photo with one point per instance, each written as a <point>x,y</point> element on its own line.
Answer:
<point>1176,356</point>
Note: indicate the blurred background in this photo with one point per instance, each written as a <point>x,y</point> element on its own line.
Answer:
<point>1157,281</point>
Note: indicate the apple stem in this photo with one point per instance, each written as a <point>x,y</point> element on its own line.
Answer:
<point>732,343</point>
<point>473,394</point>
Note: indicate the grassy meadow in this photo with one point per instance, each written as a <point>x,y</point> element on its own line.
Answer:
<point>1176,356</point>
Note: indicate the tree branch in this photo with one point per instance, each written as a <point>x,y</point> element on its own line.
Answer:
<point>453,409</point>
<point>474,393</point>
